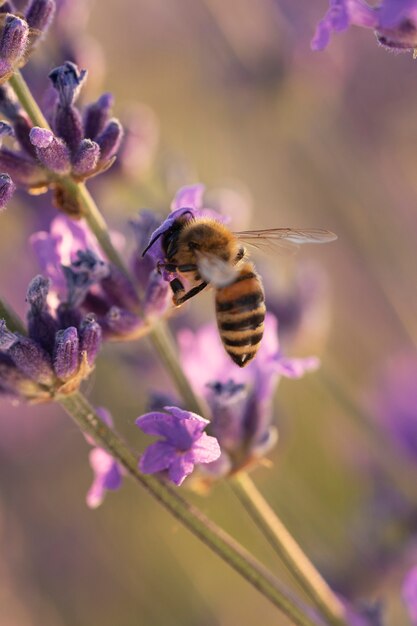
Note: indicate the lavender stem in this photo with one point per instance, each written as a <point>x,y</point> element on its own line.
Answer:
<point>28,102</point>
<point>13,321</point>
<point>214,537</point>
<point>288,550</point>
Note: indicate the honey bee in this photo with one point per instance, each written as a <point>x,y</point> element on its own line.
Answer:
<point>205,252</point>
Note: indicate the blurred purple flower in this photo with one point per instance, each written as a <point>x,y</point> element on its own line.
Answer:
<point>240,399</point>
<point>394,22</point>
<point>7,189</point>
<point>409,593</point>
<point>108,473</point>
<point>395,403</point>
<point>184,443</point>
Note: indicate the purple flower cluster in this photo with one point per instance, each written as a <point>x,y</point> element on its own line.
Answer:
<point>79,145</point>
<point>83,282</point>
<point>394,22</point>
<point>54,357</point>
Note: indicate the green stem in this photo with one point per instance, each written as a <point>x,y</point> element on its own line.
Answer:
<point>214,537</point>
<point>288,550</point>
<point>28,102</point>
<point>13,321</point>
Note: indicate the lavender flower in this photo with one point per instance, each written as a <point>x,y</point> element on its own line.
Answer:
<point>394,22</point>
<point>409,593</point>
<point>13,42</point>
<point>76,147</point>
<point>7,189</point>
<point>184,443</point>
<point>52,359</point>
<point>240,400</point>
<point>108,473</point>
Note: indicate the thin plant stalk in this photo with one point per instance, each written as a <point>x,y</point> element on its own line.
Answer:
<point>160,335</point>
<point>11,318</point>
<point>288,550</point>
<point>214,537</point>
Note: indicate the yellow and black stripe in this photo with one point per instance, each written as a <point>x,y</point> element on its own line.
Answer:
<point>240,309</point>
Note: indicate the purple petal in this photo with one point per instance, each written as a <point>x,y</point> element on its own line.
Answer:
<point>180,469</point>
<point>190,197</point>
<point>102,464</point>
<point>157,457</point>
<point>296,368</point>
<point>409,594</point>
<point>180,428</point>
<point>340,15</point>
<point>205,450</point>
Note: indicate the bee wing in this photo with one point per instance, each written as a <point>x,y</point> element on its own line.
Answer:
<point>214,270</point>
<point>284,240</point>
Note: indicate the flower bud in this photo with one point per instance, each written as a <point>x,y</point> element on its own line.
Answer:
<point>66,353</point>
<point>41,325</point>
<point>120,323</point>
<point>119,289</point>
<point>86,158</point>
<point>67,81</point>
<point>90,338</point>
<point>51,152</point>
<point>86,271</point>
<point>39,14</point>
<point>109,140</point>
<point>13,43</point>
<point>23,171</point>
<point>32,360</point>
<point>7,189</point>
<point>97,115</point>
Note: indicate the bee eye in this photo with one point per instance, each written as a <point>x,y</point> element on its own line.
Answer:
<point>193,245</point>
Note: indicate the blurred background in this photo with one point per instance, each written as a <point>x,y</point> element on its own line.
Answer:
<point>229,94</point>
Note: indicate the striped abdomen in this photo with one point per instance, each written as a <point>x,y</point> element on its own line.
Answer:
<point>240,309</point>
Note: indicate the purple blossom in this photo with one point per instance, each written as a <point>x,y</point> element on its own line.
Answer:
<point>394,22</point>
<point>240,399</point>
<point>108,473</point>
<point>7,189</point>
<point>53,358</point>
<point>184,443</point>
<point>13,42</point>
<point>409,594</point>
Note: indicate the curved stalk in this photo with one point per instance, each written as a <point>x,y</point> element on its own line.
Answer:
<point>290,553</point>
<point>214,537</point>
<point>13,321</point>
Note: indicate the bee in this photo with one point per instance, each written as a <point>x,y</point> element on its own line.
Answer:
<point>203,251</point>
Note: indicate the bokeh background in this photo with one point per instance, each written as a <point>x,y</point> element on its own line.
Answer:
<point>230,94</point>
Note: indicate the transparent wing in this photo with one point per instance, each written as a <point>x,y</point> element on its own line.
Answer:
<point>284,240</point>
<point>214,270</point>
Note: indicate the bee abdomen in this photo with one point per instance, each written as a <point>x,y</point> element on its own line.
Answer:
<point>240,311</point>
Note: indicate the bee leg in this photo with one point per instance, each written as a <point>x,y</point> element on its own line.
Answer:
<point>169,267</point>
<point>177,289</point>
<point>190,294</point>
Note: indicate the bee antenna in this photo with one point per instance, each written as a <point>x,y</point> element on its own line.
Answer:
<point>150,244</point>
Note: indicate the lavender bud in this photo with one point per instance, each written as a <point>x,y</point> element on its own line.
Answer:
<point>66,359</point>
<point>41,325</point>
<point>7,189</point>
<point>7,7</point>
<point>90,335</point>
<point>39,14</point>
<point>11,379</point>
<point>86,158</point>
<point>13,40</point>
<point>22,127</point>
<point>7,338</point>
<point>32,360</point>
<point>97,115</point>
<point>51,151</point>
<point>37,293</point>
<point>23,171</point>
<point>157,296</point>
<point>120,323</point>
<point>67,80</point>
<point>119,289</point>
<point>109,140</point>
<point>68,316</point>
